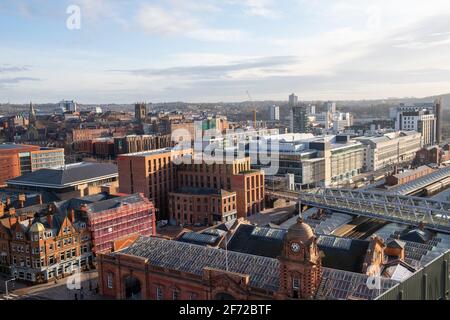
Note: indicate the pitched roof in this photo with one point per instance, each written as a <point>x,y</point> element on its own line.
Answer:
<point>339,253</point>
<point>263,271</point>
<point>67,176</point>
<point>193,259</point>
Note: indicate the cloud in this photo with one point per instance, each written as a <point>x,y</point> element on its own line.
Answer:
<point>259,8</point>
<point>204,72</point>
<point>8,68</point>
<point>12,81</point>
<point>157,20</point>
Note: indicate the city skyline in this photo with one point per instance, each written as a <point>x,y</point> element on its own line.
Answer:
<point>218,50</point>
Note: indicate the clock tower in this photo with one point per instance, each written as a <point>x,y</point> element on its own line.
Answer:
<point>300,263</point>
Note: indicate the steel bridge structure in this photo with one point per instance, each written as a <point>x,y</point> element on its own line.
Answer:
<point>434,215</point>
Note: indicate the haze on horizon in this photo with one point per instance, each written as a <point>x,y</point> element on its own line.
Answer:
<point>212,50</point>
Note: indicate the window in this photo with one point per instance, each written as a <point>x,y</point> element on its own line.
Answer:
<point>109,280</point>
<point>192,296</point>
<point>159,293</point>
<point>176,295</point>
<point>295,283</point>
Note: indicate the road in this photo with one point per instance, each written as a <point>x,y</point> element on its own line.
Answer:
<point>55,291</point>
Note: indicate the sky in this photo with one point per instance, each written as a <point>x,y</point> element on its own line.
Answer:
<point>218,50</point>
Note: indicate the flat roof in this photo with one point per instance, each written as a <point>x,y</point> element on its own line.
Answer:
<point>12,146</point>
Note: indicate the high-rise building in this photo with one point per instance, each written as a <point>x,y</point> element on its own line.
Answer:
<point>70,106</point>
<point>420,118</point>
<point>330,107</point>
<point>438,113</point>
<point>274,113</point>
<point>140,111</point>
<point>293,100</point>
<point>311,109</point>
<point>299,119</point>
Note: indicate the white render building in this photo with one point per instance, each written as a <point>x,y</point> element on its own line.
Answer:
<point>390,149</point>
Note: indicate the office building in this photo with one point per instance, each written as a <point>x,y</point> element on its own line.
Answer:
<point>315,160</point>
<point>18,159</point>
<point>68,106</point>
<point>300,122</point>
<point>390,149</point>
<point>420,118</point>
<point>274,112</point>
<point>439,113</point>
<point>293,100</point>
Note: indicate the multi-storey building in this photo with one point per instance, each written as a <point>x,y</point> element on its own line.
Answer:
<point>139,143</point>
<point>300,123</point>
<point>152,173</point>
<point>420,118</point>
<point>42,248</point>
<point>313,160</point>
<point>155,174</point>
<point>265,264</point>
<point>390,149</point>
<point>191,206</point>
<point>235,175</point>
<point>16,160</point>
<point>42,242</point>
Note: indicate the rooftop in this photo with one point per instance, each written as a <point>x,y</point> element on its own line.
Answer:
<point>263,271</point>
<point>69,175</point>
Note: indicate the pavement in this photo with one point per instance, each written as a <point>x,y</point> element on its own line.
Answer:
<point>59,290</point>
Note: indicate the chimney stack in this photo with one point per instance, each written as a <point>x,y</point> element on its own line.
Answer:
<point>50,220</point>
<point>12,216</point>
<point>39,199</point>
<point>22,199</point>
<point>71,214</point>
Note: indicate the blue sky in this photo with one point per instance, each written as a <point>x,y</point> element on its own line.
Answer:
<point>211,50</point>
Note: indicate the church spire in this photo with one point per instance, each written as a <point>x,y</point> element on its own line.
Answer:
<point>32,114</point>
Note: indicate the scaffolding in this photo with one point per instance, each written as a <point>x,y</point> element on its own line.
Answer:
<point>124,221</point>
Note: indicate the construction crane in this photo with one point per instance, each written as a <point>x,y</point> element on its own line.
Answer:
<point>254,110</point>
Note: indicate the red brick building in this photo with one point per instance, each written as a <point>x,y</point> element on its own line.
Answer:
<point>117,219</point>
<point>191,206</point>
<point>158,269</point>
<point>17,159</point>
